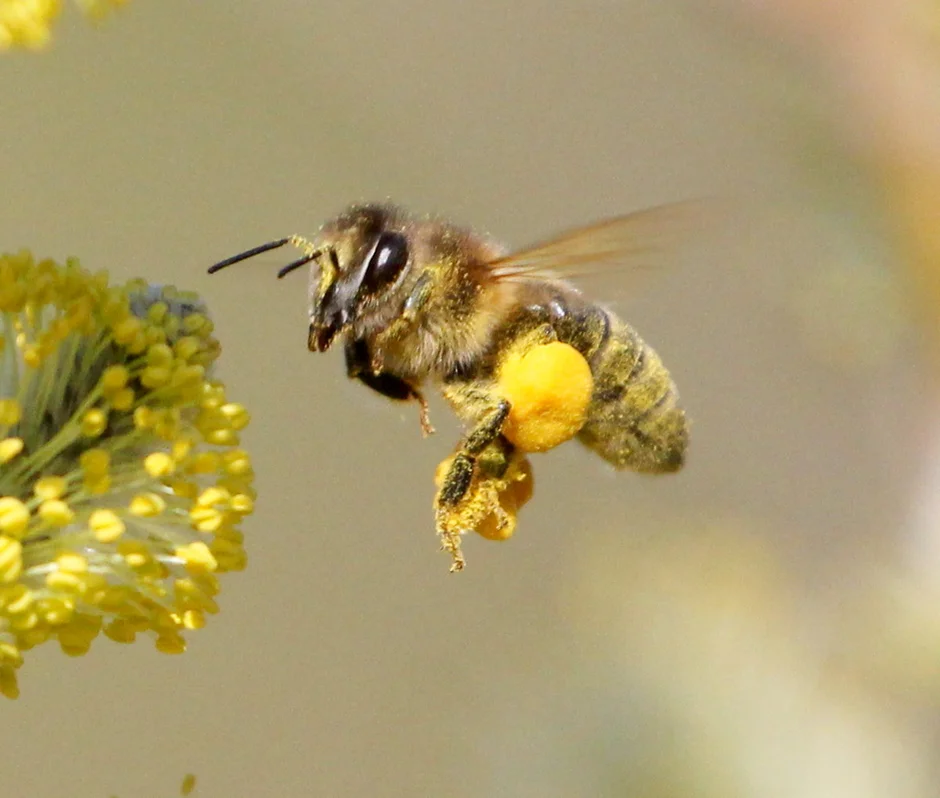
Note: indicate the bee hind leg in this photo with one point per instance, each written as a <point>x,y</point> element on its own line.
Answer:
<point>459,477</point>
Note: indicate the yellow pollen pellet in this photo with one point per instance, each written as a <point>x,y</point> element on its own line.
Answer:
<point>56,512</point>
<point>10,412</point>
<point>146,505</point>
<point>11,560</point>
<point>10,448</point>
<point>159,464</point>
<point>106,525</point>
<point>14,516</point>
<point>49,487</point>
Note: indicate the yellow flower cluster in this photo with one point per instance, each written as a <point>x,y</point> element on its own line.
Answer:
<point>121,482</point>
<point>26,23</point>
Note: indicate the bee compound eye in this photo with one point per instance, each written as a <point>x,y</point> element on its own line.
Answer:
<point>387,262</point>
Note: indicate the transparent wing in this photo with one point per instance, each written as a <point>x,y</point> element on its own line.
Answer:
<point>634,242</point>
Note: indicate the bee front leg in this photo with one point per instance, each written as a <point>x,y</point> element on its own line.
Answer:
<point>459,476</point>
<point>358,367</point>
<point>415,302</point>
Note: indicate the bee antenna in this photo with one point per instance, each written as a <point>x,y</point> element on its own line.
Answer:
<point>249,254</point>
<point>298,263</point>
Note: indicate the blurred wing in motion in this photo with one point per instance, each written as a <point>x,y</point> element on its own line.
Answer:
<point>636,242</point>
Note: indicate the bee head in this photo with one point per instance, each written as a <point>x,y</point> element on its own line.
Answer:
<point>358,260</point>
<point>368,254</point>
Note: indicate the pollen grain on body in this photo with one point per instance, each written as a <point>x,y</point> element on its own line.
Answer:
<point>122,483</point>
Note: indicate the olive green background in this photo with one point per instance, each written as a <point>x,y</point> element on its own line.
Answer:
<point>346,659</point>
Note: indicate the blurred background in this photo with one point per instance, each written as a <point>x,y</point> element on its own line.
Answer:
<point>764,623</point>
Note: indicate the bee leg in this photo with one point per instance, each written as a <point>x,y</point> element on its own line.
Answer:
<point>415,302</point>
<point>390,386</point>
<point>459,476</point>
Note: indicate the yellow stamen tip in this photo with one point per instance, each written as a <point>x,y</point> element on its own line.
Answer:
<point>10,448</point>
<point>106,526</point>
<point>159,464</point>
<point>14,516</point>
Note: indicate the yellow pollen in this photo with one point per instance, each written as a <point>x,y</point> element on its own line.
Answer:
<point>197,557</point>
<point>159,464</point>
<point>56,512</point>
<point>126,494</point>
<point>106,526</point>
<point>146,505</point>
<point>49,487</point>
<point>170,644</point>
<point>95,462</point>
<point>122,399</point>
<point>115,377</point>
<point>72,563</point>
<point>11,560</point>
<point>213,496</point>
<point>94,422</point>
<point>14,516</point>
<point>10,448</point>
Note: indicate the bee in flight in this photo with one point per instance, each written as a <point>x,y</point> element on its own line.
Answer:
<point>417,300</point>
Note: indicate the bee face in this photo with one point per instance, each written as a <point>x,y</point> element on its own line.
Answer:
<point>363,261</point>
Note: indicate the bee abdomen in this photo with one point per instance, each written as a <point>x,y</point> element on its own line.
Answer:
<point>634,419</point>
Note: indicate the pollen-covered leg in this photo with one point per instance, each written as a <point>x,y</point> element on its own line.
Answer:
<point>414,304</point>
<point>492,491</point>
<point>451,513</point>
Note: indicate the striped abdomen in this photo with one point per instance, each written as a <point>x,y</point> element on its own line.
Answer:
<point>634,419</point>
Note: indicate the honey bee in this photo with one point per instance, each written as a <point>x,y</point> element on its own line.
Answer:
<point>418,300</point>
